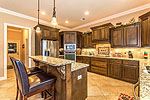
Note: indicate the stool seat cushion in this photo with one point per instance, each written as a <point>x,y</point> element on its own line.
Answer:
<point>40,80</point>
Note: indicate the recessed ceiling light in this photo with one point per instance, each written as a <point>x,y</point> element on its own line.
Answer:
<point>86,13</point>
<point>43,13</point>
<point>66,21</point>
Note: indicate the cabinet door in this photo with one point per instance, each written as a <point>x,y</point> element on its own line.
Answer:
<point>89,40</point>
<point>79,59</point>
<point>145,32</point>
<point>54,35</point>
<point>115,70</point>
<point>46,34</point>
<point>79,40</point>
<point>130,73</point>
<point>117,37</point>
<point>61,40</point>
<point>95,35</point>
<point>69,37</point>
<point>132,36</point>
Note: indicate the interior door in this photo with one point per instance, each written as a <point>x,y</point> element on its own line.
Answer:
<point>13,50</point>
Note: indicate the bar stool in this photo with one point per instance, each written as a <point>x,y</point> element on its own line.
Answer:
<point>31,85</point>
<point>30,71</point>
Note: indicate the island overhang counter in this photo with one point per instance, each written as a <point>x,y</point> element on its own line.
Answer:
<point>71,77</point>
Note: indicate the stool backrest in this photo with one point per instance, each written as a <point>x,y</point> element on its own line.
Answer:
<point>21,76</point>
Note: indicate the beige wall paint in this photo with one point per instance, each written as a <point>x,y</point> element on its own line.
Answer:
<point>123,19</point>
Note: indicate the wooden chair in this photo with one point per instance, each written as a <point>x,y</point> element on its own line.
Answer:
<point>29,85</point>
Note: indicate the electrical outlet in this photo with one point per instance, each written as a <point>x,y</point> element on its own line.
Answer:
<point>79,77</point>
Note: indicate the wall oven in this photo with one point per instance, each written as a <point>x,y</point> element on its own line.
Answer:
<point>70,51</point>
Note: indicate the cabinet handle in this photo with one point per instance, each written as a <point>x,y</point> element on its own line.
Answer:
<point>134,94</point>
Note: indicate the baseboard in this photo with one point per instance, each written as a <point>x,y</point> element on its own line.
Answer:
<point>3,78</point>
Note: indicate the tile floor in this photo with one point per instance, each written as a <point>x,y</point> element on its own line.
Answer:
<point>99,88</point>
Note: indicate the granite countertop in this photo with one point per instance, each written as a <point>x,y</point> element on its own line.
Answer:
<point>51,60</point>
<point>59,62</point>
<point>111,57</point>
<point>144,78</point>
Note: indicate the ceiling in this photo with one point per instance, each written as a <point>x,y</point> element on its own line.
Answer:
<point>72,10</point>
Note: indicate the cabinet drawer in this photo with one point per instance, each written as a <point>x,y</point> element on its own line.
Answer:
<point>115,61</point>
<point>130,62</point>
<point>99,59</point>
<point>99,64</point>
<point>99,70</point>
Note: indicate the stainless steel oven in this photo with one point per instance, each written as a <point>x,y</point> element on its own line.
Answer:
<point>69,47</point>
<point>70,55</point>
<point>70,51</point>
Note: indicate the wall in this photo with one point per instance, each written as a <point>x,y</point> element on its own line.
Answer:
<point>123,19</point>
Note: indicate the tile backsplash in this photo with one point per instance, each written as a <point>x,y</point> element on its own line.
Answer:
<point>137,52</point>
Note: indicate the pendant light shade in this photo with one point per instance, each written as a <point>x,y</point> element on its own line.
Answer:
<point>54,20</point>
<point>38,30</point>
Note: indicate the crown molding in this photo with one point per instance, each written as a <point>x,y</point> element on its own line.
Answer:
<point>140,8</point>
<point>6,11</point>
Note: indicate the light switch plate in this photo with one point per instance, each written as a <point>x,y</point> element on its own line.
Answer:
<point>79,77</point>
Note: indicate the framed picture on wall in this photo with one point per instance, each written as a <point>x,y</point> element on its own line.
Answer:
<point>12,48</point>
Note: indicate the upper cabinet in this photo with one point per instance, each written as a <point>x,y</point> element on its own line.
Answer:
<point>145,27</point>
<point>47,33</point>
<point>87,40</point>
<point>117,37</point>
<point>70,37</point>
<point>126,36</point>
<point>101,34</point>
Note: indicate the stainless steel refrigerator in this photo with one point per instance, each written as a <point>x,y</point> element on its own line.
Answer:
<point>50,48</point>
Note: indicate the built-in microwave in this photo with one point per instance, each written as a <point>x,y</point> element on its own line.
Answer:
<point>69,47</point>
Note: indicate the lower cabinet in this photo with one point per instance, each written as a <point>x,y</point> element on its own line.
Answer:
<point>130,71</point>
<point>127,70</point>
<point>99,65</point>
<point>114,70</point>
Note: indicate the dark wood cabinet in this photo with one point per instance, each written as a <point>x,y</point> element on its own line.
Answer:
<point>99,66</point>
<point>117,37</point>
<point>126,36</point>
<point>145,27</point>
<point>70,37</point>
<point>79,59</point>
<point>47,33</point>
<point>115,68</point>
<point>87,40</point>
<point>130,71</point>
<point>79,39</point>
<point>61,40</point>
<point>132,35</point>
<point>101,34</point>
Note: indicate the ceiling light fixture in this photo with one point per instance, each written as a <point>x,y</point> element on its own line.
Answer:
<point>54,20</point>
<point>43,13</point>
<point>38,30</point>
<point>66,21</point>
<point>86,13</point>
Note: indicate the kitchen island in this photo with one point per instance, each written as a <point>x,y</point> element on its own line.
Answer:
<point>71,77</point>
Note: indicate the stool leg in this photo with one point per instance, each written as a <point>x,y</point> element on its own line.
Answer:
<point>53,91</point>
<point>24,97</point>
<point>17,94</point>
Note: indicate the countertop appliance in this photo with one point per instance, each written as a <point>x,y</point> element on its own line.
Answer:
<point>70,51</point>
<point>50,48</point>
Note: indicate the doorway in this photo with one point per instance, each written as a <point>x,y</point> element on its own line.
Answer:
<point>17,44</point>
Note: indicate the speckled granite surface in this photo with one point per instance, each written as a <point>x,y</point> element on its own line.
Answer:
<point>52,61</point>
<point>144,80</point>
<point>59,62</point>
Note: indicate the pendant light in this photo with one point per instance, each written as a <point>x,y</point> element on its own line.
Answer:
<point>54,20</point>
<point>38,30</point>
